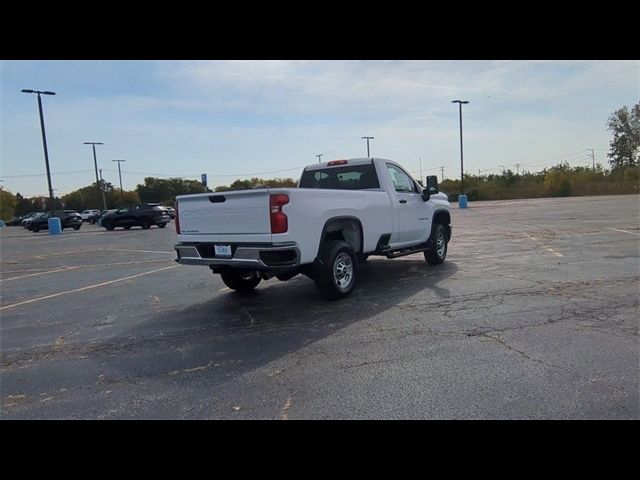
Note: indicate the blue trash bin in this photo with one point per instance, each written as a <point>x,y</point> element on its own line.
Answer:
<point>55,226</point>
<point>462,201</point>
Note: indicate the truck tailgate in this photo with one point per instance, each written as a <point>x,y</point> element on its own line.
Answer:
<point>233,213</point>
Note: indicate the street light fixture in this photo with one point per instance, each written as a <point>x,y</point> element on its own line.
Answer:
<point>460,103</point>
<point>44,140</point>
<point>319,157</point>
<point>95,164</point>
<point>119,175</point>
<point>368,138</point>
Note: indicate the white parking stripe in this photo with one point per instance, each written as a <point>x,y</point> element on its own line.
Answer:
<point>624,231</point>
<point>85,288</point>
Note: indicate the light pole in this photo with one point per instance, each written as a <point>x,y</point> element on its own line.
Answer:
<point>368,138</point>
<point>319,159</point>
<point>44,141</point>
<point>460,103</point>
<point>119,175</point>
<point>95,164</point>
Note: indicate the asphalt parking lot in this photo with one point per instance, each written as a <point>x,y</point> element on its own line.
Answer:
<point>533,315</point>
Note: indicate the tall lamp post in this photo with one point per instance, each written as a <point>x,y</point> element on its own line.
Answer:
<point>320,157</point>
<point>462,202</point>
<point>95,164</point>
<point>119,175</point>
<point>367,139</point>
<point>44,141</point>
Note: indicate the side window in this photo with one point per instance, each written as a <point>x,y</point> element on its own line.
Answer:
<point>401,181</point>
<point>123,210</point>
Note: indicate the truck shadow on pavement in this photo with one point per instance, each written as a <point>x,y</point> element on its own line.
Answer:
<point>223,338</point>
<point>201,361</point>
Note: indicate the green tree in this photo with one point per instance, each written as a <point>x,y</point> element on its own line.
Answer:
<point>7,204</point>
<point>160,190</point>
<point>258,182</point>
<point>624,146</point>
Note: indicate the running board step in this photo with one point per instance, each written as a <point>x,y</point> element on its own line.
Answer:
<point>407,251</point>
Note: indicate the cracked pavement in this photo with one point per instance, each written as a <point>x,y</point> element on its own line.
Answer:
<point>534,315</point>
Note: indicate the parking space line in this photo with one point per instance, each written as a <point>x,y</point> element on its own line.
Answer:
<point>624,231</point>
<point>46,297</point>
<point>75,267</point>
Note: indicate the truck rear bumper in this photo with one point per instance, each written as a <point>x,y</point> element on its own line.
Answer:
<point>256,256</point>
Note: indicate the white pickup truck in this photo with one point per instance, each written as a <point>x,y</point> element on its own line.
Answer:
<point>342,212</point>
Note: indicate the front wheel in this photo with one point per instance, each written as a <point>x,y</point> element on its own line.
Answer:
<point>76,227</point>
<point>108,226</point>
<point>127,227</point>
<point>337,270</point>
<point>241,281</point>
<point>162,225</point>
<point>437,251</point>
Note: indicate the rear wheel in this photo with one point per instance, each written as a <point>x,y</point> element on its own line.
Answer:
<point>35,229</point>
<point>437,251</point>
<point>108,226</point>
<point>162,225</point>
<point>76,227</point>
<point>241,281</point>
<point>127,227</point>
<point>337,269</point>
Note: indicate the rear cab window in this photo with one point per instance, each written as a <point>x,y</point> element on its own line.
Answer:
<point>348,177</point>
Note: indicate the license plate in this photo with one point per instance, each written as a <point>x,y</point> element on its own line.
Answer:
<point>222,250</point>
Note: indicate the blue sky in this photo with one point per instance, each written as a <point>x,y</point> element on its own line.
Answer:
<point>228,118</point>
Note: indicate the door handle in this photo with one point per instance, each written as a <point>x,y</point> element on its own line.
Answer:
<point>403,201</point>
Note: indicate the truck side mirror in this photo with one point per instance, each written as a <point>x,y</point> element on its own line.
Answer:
<point>432,187</point>
<point>432,184</point>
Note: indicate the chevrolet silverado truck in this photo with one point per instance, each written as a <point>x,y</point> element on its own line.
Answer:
<point>341,212</point>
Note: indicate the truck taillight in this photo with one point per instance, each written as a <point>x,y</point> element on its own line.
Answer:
<point>279,223</point>
<point>177,219</point>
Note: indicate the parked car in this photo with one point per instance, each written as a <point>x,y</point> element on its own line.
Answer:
<point>68,219</point>
<point>90,216</point>
<point>172,212</point>
<point>29,217</point>
<point>17,220</point>
<point>141,214</point>
<point>342,212</point>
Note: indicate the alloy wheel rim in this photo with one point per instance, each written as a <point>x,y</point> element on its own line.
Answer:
<point>440,244</point>
<point>343,271</point>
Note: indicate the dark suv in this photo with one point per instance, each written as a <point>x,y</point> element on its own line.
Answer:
<point>68,219</point>
<point>141,214</point>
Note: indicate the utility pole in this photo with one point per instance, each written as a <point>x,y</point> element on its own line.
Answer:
<point>517,165</point>
<point>420,158</point>
<point>104,200</point>
<point>368,138</point>
<point>120,175</point>
<point>319,157</point>
<point>593,159</point>
<point>460,103</point>
<point>44,142</point>
<point>442,172</point>
<point>95,164</point>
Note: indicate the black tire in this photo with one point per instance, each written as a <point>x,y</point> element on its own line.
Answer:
<point>162,225</point>
<point>437,251</point>
<point>242,281</point>
<point>336,270</point>
<point>127,227</point>
<point>108,226</point>
<point>76,227</point>
<point>145,224</point>
<point>92,221</point>
<point>35,229</point>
